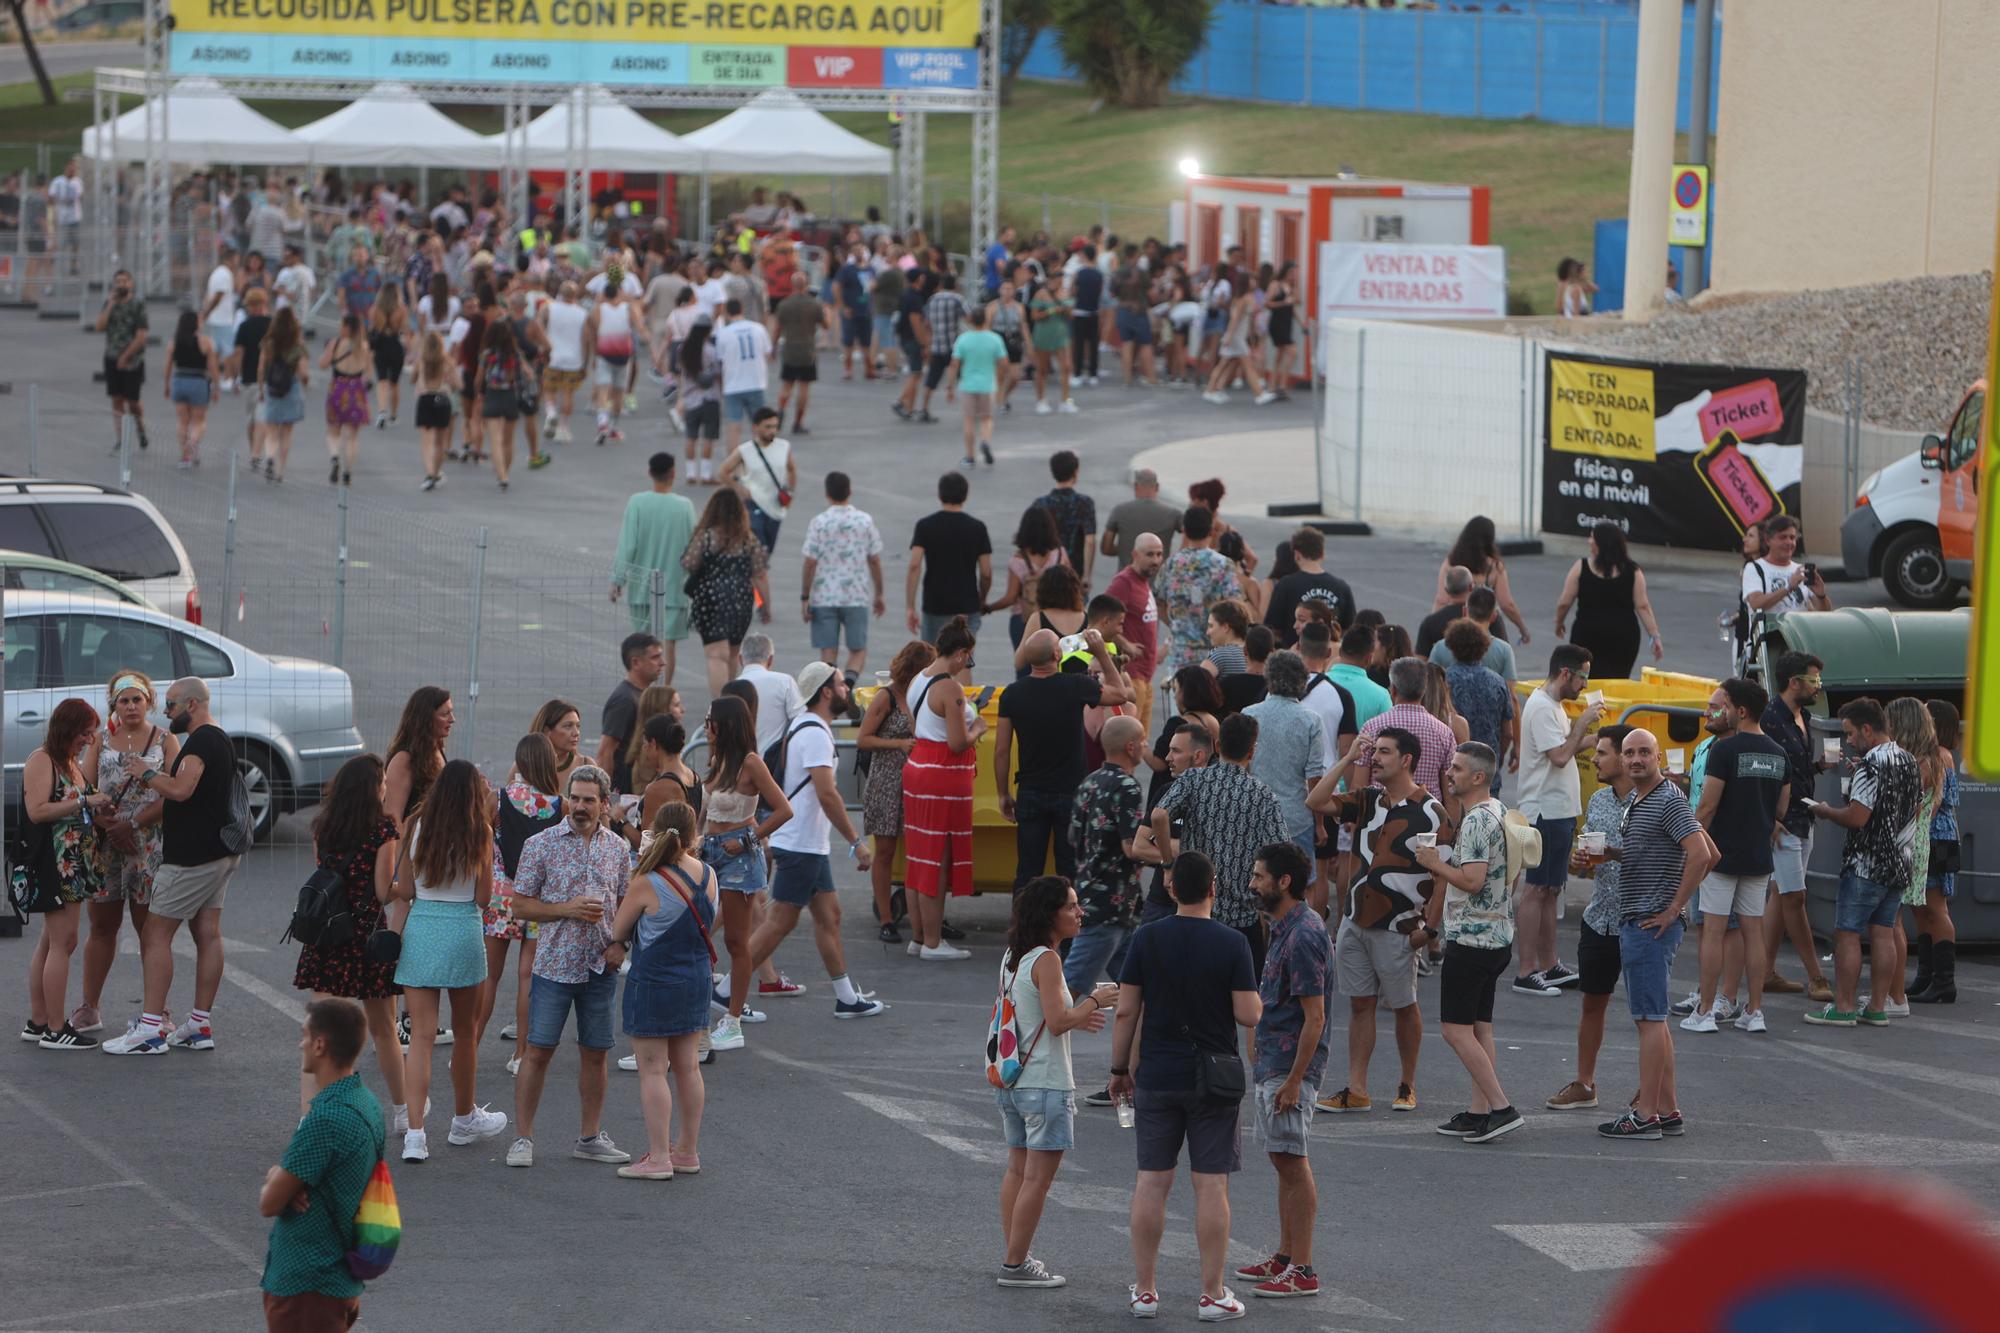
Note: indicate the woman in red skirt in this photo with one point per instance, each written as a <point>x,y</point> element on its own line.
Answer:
<point>937,791</point>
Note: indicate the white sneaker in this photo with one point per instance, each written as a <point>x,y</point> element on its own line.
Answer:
<point>1750,1020</point>
<point>1144,1304</point>
<point>1701,1020</point>
<point>191,1036</point>
<point>599,1148</point>
<point>481,1124</point>
<point>1042,409</point>
<point>522,1153</point>
<point>1889,1007</point>
<point>513,1066</point>
<point>629,1063</point>
<point>1265,398</point>
<point>1217,398</point>
<point>1212,1311</point>
<point>416,1146</point>
<point>402,1125</point>
<point>750,1015</point>
<point>727,1035</point>
<point>944,953</point>
<point>510,1033</point>
<point>916,947</point>
<point>1726,1009</point>
<point>138,1040</point>
<point>1069,407</point>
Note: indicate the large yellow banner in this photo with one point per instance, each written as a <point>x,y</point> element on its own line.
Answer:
<point>849,23</point>
<point>1599,409</point>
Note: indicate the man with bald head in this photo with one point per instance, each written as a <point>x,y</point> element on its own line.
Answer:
<point>1133,587</point>
<point>1104,819</point>
<point>1661,862</point>
<point>1045,709</point>
<point>200,849</point>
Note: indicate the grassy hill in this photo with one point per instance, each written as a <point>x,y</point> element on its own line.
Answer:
<point>1549,181</point>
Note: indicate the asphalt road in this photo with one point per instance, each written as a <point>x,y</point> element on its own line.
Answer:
<point>61,57</point>
<point>850,1168</point>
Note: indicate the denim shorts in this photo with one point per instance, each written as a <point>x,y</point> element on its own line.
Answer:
<point>1553,870</point>
<point>1648,964</point>
<point>549,1005</point>
<point>830,623</point>
<point>1862,902</point>
<point>1135,327</point>
<point>1285,1132</point>
<point>1038,1119</point>
<point>1788,862</point>
<point>797,876</point>
<point>741,406</point>
<point>741,873</point>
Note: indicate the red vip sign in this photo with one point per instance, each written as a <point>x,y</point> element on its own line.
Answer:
<point>834,67</point>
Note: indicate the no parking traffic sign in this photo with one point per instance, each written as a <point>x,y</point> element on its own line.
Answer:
<point>1867,1255</point>
<point>1687,223</point>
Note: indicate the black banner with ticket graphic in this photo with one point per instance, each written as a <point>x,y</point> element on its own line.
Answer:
<point>1676,455</point>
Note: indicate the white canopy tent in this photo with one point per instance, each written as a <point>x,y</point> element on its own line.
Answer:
<point>776,133</point>
<point>204,124</point>
<point>394,127</point>
<point>610,137</point>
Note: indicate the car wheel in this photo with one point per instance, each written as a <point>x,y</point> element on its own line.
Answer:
<point>1914,572</point>
<point>264,777</point>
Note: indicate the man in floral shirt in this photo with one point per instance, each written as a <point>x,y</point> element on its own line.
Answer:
<point>842,576</point>
<point>1109,810</point>
<point>1478,928</point>
<point>1194,578</point>
<point>571,879</point>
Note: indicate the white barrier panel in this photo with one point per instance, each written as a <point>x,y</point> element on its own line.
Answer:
<point>1405,281</point>
<point>1425,427</point>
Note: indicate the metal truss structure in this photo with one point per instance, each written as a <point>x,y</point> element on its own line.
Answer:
<point>152,214</point>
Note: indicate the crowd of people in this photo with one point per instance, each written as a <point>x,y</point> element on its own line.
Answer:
<point>1306,806</point>
<point>503,326</point>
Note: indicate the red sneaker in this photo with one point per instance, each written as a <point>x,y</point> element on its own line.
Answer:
<point>1294,1281</point>
<point>1270,1268</point>
<point>784,985</point>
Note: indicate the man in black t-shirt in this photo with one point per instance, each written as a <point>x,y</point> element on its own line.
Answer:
<point>1310,584</point>
<point>1189,981</point>
<point>1457,587</point>
<point>196,865</point>
<point>952,555</point>
<point>1045,709</point>
<point>644,659</point>
<point>1746,785</point>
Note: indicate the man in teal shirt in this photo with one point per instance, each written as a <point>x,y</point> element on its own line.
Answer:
<point>315,1192</point>
<point>975,358</point>
<point>653,537</point>
<point>1351,672</point>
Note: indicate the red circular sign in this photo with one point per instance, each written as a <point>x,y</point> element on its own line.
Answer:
<point>1763,1260</point>
<point>1687,189</point>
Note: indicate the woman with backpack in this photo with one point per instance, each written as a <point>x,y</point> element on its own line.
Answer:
<point>499,380</point>
<point>530,803</point>
<point>62,870</point>
<point>937,790</point>
<point>447,877</point>
<point>354,840</point>
<point>1037,1097</point>
<point>667,919</point>
<point>733,840</point>
<point>284,377</point>
<point>888,732</point>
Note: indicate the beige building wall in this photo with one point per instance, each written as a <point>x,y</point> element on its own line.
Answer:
<point>1857,141</point>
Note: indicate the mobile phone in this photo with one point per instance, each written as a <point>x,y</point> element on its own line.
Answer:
<point>1809,802</point>
<point>1812,573</point>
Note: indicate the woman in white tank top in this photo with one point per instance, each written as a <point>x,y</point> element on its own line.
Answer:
<point>447,869</point>
<point>563,320</point>
<point>1038,1108</point>
<point>612,338</point>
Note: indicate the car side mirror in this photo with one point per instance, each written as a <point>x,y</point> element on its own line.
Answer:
<point>1931,453</point>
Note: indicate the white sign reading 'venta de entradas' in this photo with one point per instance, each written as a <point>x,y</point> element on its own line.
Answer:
<point>1393,281</point>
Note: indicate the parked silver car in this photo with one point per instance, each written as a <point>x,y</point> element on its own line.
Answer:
<point>291,720</point>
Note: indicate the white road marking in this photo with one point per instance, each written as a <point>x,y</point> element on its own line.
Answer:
<point>228,1293</point>
<point>1593,1247</point>
<point>69,1189</point>
<point>912,1112</point>
<point>1904,1150</point>
<point>1091,1198</point>
<point>123,1170</point>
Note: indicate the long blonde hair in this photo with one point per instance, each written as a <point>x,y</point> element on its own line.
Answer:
<point>433,361</point>
<point>1910,726</point>
<point>673,835</point>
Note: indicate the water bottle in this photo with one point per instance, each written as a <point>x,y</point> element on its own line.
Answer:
<point>1127,1117</point>
<point>1725,625</point>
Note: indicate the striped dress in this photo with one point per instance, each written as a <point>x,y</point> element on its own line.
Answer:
<point>937,804</point>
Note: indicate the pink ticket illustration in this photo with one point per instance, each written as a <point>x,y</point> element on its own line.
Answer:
<point>1749,410</point>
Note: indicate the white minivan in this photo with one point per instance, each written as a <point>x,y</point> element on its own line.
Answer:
<point>116,533</point>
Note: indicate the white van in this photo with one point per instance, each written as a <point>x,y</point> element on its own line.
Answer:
<point>114,532</point>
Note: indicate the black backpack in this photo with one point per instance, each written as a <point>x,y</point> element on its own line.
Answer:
<point>774,756</point>
<point>280,375</point>
<point>322,917</point>
<point>241,830</point>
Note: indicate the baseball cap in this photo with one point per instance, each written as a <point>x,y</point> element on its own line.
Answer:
<point>814,677</point>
